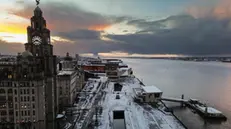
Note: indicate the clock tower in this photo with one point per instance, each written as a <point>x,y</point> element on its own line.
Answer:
<point>38,36</point>
<point>42,53</point>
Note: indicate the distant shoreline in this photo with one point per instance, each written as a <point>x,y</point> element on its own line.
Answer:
<point>193,59</point>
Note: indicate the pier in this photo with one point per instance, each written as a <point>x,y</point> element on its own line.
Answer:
<point>202,109</point>
<point>174,100</point>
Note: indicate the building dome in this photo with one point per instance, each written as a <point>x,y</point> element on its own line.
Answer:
<point>26,54</point>
<point>68,57</point>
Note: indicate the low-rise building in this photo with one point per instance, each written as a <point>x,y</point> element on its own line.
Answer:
<point>148,94</point>
<point>67,63</point>
<point>94,68</point>
<point>112,70</point>
<point>125,72</point>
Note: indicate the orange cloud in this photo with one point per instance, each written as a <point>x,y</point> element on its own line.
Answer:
<point>99,27</point>
<point>221,10</point>
<point>66,17</point>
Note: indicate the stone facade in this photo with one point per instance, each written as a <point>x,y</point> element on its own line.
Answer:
<point>28,82</point>
<point>67,86</point>
<point>69,81</point>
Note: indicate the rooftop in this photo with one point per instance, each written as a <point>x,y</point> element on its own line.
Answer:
<point>151,89</point>
<point>65,72</point>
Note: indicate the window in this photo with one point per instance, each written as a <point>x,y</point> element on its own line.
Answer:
<point>21,98</point>
<point>33,98</point>
<point>22,113</point>
<point>24,91</point>
<point>33,112</point>
<point>15,99</point>
<point>28,112</point>
<point>32,91</point>
<point>28,106</point>
<point>60,91</point>
<point>16,106</point>
<point>157,95</point>
<point>28,98</point>
<point>10,105</point>
<point>21,91</point>
<point>25,113</point>
<point>28,91</point>
<point>15,92</point>
<point>16,113</point>
<point>33,105</point>
<point>11,112</point>
<point>3,113</point>
<point>24,98</point>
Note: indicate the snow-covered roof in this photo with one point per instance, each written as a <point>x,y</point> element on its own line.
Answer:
<point>210,110</point>
<point>151,89</point>
<point>114,61</point>
<point>122,64</point>
<point>124,68</point>
<point>65,72</point>
<point>93,64</point>
<point>59,116</point>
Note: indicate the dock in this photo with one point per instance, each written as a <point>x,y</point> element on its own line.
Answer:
<point>174,100</point>
<point>202,109</point>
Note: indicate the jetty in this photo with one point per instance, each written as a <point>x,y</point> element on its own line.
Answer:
<point>202,109</point>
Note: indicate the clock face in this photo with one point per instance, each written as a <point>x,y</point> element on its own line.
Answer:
<point>36,40</point>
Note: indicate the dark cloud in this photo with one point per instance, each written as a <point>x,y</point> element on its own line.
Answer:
<point>80,34</point>
<point>65,16</point>
<point>85,46</point>
<point>180,34</point>
<point>10,48</point>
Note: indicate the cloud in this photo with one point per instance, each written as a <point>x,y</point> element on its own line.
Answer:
<point>20,1</point>
<point>80,34</point>
<point>85,46</point>
<point>221,10</point>
<point>10,48</point>
<point>187,35</point>
<point>200,32</point>
<point>65,16</point>
<point>167,23</point>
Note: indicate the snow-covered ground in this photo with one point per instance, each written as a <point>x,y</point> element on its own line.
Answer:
<point>136,116</point>
<point>92,91</point>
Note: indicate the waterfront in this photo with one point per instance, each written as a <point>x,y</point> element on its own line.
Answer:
<point>206,81</point>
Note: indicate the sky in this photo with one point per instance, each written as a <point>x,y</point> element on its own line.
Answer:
<point>123,27</point>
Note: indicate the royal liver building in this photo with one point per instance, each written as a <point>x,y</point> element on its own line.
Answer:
<point>28,82</point>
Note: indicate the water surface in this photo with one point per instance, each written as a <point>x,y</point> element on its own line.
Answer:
<point>209,82</point>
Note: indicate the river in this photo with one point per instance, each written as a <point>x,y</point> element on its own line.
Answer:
<point>209,82</point>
